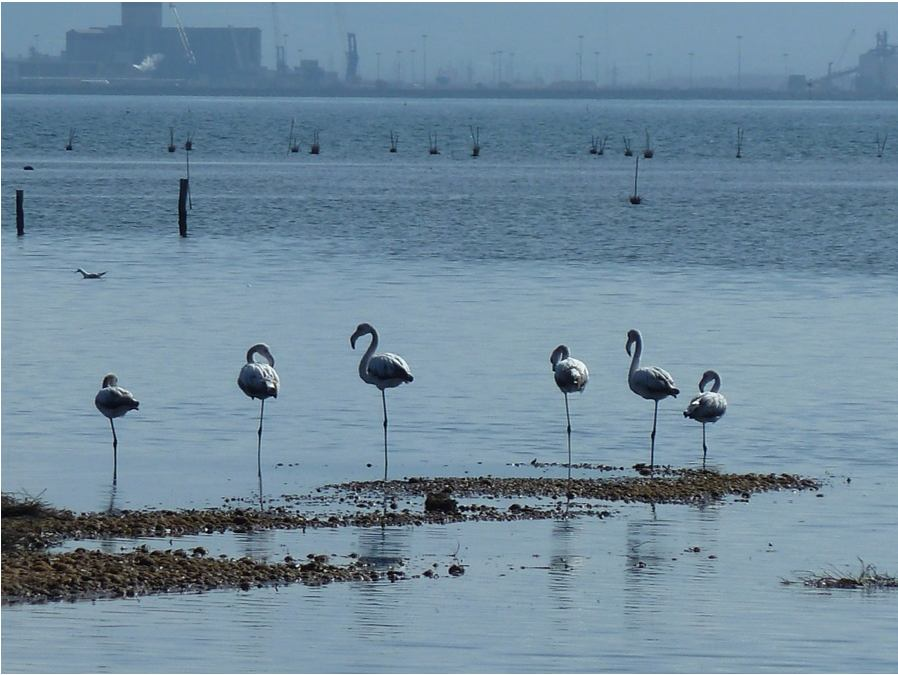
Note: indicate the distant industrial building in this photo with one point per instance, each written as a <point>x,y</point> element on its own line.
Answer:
<point>877,70</point>
<point>876,74</point>
<point>141,46</point>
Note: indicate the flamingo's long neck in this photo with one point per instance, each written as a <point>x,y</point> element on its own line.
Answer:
<point>711,376</point>
<point>255,350</point>
<point>637,352</point>
<point>560,354</point>
<point>366,357</point>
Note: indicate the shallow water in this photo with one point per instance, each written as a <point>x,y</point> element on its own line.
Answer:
<point>778,270</point>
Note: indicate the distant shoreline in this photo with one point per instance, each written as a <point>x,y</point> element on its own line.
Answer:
<point>182,88</point>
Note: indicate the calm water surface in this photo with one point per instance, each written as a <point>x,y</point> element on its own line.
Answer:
<point>779,270</point>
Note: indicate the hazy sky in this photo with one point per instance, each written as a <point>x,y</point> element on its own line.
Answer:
<point>542,36</point>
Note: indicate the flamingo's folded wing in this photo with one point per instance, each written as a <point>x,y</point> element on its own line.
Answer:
<point>571,375</point>
<point>655,380</point>
<point>258,380</point>
<point>389,366</point>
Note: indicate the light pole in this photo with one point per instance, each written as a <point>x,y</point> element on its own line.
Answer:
<point>691,56</point>
<point>413,53</point>
<point>597,67</point>
<point>580,59</point>
<point>500,66</point>
<point>399,66</point>
<point>738,62</point>
<point>377,79</point>
<point>509,71</point>
<point>424,59</point>
<point>786,65</point>
<point>649,59</point>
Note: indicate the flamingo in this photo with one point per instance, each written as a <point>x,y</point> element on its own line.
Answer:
<point>650,382</point>
<point>708,406</point>
<point>90,275</point>
<point>261,381</point>
<point>571,375</point>
<point>384,371</point>
<point>113,401</point>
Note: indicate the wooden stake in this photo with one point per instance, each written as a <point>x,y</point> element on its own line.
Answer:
<point>20,212</point>
<point>182,206</point>
<point>189,196</point>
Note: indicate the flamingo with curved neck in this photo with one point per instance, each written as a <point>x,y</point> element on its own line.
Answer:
<point>261,381</point>
<point>708,406</point>
<point>113,401</point>
<point>649,382</point>
<point>571,375</point>
<point>384,371</point>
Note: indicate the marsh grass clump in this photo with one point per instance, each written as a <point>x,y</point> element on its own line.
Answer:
<point>866,577</point>
<point>23,505</point>
<point>29,522</point>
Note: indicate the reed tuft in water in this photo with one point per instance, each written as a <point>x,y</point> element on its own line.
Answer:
<point>866,577</point>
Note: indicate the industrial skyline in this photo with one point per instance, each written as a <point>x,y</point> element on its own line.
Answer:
<point>613,44</point>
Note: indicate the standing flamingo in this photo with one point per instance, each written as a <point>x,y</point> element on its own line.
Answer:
<point>708,406</point>
<point>113,401</point>
<point>384,371</point>
<point>571,375</point>
<point>649,382</point>
<point>261,381</point>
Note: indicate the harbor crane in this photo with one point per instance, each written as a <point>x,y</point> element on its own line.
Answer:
<point>352,52</point>
<point>185,43</point>
<point>833,75</point>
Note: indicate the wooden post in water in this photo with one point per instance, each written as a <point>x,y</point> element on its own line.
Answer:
<point>182,207</point>
<point>20,212</point>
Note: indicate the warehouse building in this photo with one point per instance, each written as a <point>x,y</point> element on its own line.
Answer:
<point>142,47</point>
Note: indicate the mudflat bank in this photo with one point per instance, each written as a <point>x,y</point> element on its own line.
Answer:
<point>31,573</point>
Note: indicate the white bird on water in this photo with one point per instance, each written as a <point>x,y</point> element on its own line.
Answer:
<point>650,382</point>
<point>261,381</point>
<point>90,275</point>
<point>708,406</point>
<point>113,401</point>
<point>384,371</point>
<point>571,375</point>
